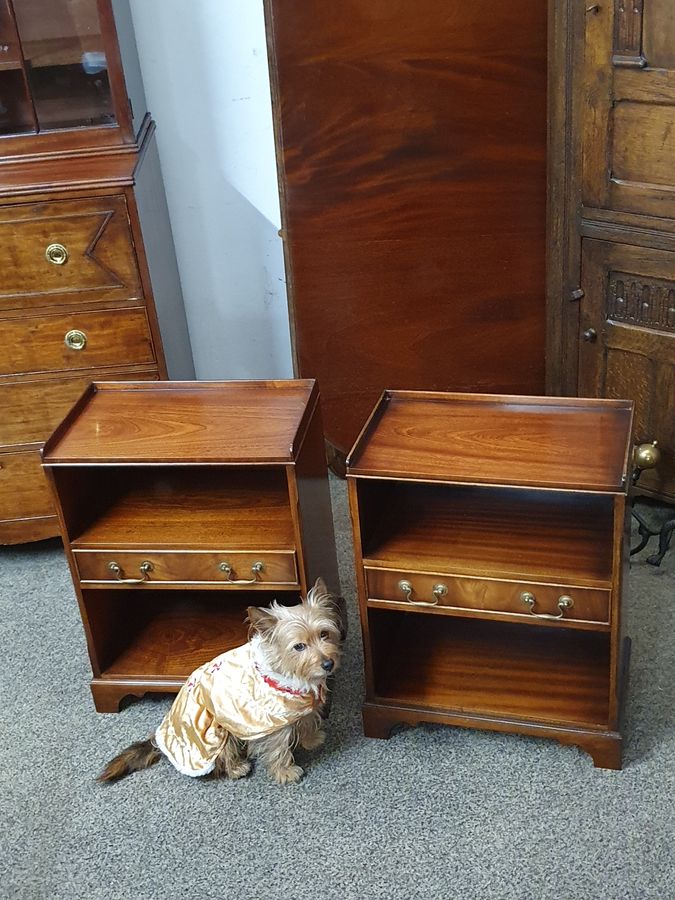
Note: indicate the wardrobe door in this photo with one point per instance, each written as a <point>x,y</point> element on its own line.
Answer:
<point>627,343</point>
<point>629,114</point>
<point>412,159</point>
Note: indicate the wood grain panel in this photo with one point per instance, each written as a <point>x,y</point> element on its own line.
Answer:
<point>658,34</point>
<point>412,158</point>
<point>101,261</point>
<point>113,338</point>
<point>634,353</point>
<point>554,675</point>
<point>24,492</point>
<point>488,597</point>
<point>182,568</point>
<point>33,409</point>
<point>232,422</point>
<point>643,145</point>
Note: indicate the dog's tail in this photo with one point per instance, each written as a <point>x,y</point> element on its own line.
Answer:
<point>140,755</point>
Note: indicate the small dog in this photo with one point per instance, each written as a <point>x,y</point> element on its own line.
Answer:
<point>256,701</point>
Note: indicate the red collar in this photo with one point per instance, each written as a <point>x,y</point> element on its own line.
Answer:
<point>282,687</point>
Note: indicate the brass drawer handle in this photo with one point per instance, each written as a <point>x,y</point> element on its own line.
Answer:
<point>146,568</point>
<point>256,568</point>
<point>564,603</point>
<point>438,590</point>
<point>75,339</point>
<point>56,254</point>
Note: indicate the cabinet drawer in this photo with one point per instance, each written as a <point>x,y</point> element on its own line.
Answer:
<point>188,567</point>
<point>33,409</point>
<point>65,251</point>
<point>490,596</point>
<point>75,341</point>
<point>24,492</point>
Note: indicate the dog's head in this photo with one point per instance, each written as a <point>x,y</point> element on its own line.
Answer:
<point>301,641</point>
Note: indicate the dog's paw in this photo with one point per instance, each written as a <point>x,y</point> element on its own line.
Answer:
<point>288,775</point>
<point>313,740</point>
<point>241,770</point>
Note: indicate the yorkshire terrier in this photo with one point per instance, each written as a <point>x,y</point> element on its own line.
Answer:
<point>257,701</point>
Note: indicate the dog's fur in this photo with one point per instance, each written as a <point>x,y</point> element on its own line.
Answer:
<point>315,625</point>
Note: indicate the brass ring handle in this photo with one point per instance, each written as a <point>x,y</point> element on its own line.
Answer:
<point>439,590</point>
<point>75,339</point>
<point>56,254</point>
<point>146,568</point>
<point>564,602</point>
<point>256,568</point>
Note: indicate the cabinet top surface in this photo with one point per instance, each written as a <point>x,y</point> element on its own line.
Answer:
<point>185,422</point>
<point>550,442</point>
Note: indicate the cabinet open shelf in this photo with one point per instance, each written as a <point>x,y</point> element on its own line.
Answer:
<point>177,507</point>
<point>494,532</point>
<point>164,636</point>
<point>468,666</point>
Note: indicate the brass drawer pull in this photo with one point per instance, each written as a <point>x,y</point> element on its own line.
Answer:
<point>564,603</point>
<point>438,590</point>
<point>75,339</point>
<point>146,568</point>
<point>256,568</point>
<point>56,254</point>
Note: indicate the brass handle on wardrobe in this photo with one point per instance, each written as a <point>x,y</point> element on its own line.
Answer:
<point>56,254</point>
<point>256,568</point>
<point>146,568</point>
<point>590,335</point>
<point>75,339</point>
<point>565,602</point>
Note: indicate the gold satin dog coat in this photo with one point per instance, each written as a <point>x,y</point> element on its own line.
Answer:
<point>230,694</point>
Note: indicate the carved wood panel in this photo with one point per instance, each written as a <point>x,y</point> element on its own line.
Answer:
<point>629,108</point>
<point>629,303</point>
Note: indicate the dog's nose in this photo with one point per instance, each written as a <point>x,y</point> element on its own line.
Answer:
<point>328,665</point>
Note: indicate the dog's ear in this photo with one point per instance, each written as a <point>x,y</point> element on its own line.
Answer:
<point>319,595</point>
<point>260,619</point>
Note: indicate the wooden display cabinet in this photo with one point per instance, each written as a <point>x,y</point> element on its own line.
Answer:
<point>180,505</point>
<point>489,546</point>
<point>90,288</point>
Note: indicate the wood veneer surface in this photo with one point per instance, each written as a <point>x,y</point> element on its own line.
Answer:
<point>553,443</point>
<point>412,150</point>
<point>492,668</point>
<point>185,508</point>
<point>506,533</point>
<point>229,422</point>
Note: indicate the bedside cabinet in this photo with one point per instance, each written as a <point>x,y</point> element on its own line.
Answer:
<point>181,504</point>
<point>489,545</point>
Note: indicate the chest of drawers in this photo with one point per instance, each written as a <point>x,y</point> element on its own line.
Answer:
<point>489,545</point>
<point>182,503</point>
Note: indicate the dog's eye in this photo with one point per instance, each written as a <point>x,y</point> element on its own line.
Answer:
<point>299,647</point>
<point>324,635</point>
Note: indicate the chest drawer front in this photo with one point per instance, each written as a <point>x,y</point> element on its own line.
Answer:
<point>24,491</point>
<point>490,596</point>
<point>67,250</point>
<point>75,341</point>
<point>231,570</point>
<point>33,409</point>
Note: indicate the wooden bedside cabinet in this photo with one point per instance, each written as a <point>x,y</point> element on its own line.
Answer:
<point>180,504</point>
<point>489,545</point>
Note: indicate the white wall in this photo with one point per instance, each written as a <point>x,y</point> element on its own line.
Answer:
<point>205,72</point>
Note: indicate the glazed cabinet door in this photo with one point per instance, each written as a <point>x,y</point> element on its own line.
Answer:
<point>629,107</point>
<point>627,342</point>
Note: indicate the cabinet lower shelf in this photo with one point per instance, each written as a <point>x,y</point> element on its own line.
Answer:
<point>152,641</point>
<point>442,663</point>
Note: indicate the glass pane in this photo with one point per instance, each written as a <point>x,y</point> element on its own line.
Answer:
<point>16,114</point>
<point>65,61</point>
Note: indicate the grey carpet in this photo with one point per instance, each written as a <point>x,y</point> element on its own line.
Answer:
<point>432,813</point>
